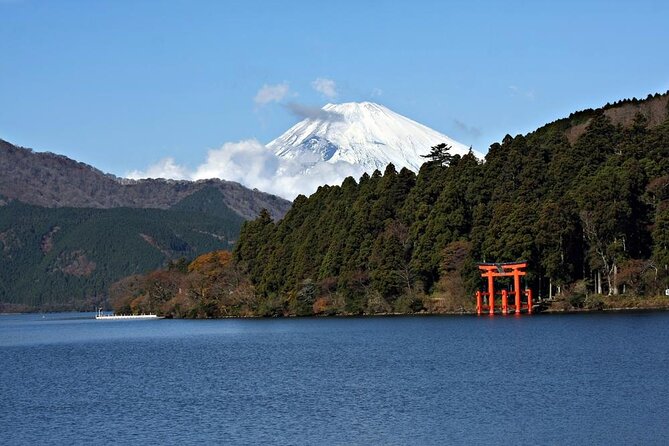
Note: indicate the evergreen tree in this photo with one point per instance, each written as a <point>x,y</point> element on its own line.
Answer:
<point>439,155</point>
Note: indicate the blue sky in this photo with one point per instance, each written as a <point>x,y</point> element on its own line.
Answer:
<point>123,84</point>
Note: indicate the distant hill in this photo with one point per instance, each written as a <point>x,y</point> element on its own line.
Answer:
<point>67,257</point>
<point>50,180</point>
<point>67,230</point>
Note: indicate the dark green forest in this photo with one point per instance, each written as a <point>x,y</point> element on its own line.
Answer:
<point>585,200</point>
<point>53,258</point>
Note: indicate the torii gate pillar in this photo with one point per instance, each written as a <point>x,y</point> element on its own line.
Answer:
<point>491,294</point>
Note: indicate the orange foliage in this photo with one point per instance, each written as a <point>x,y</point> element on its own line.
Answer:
<point>321,305</point>
<point>211,263</point>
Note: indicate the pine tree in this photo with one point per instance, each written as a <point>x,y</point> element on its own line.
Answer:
<point>439,155</point>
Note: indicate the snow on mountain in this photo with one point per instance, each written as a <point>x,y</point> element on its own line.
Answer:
<point>335,142</point>
<point>358,137</point>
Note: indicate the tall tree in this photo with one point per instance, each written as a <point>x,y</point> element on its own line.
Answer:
<point>439,155</point>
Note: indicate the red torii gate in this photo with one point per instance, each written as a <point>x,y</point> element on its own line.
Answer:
<point>511,269</point>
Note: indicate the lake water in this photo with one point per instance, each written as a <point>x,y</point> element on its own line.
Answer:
<point>568,379</point>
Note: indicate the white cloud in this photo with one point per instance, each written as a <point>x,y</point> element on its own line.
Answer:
<point>248,162</point>
<point>271,93</point>
<point>291,179</point>
<point>326,87</point>
<point>253,165</point>
<point>377,92</point>
<point>165,168</point>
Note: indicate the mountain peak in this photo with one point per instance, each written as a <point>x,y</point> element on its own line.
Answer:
<point>363,135</point>
<point>365,105</point>
<point>357,111</point>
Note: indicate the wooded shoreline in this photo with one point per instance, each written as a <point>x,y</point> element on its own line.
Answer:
<point>642,305</point>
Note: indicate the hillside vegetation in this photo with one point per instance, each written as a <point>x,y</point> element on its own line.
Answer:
<point>587,207</point>
<point>68,257</point>
<point>68,230</point>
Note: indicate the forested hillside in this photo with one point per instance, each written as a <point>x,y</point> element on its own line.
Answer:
<point>585,200</point>
<point>590,216</point>
<point>68,257</point>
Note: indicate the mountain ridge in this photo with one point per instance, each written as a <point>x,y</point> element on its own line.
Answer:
<point>51,180</point>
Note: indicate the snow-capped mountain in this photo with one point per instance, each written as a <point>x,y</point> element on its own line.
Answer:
<point>359,137</point>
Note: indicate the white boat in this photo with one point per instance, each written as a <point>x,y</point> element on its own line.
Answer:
<point>118,317</point>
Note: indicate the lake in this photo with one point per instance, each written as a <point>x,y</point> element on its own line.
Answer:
<point>541,379</point>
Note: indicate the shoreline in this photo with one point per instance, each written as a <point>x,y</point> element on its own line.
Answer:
<point>546,311</point>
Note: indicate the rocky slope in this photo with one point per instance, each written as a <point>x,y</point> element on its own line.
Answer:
<point>50,180</point>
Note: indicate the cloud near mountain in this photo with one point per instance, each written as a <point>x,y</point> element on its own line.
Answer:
<point>253,165</point>
<point>326,87</point>
<point>271,93</point>
<point>328,145</point>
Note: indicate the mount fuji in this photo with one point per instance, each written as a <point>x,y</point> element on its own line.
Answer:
<point>332,143</point>
<point>354,138</point>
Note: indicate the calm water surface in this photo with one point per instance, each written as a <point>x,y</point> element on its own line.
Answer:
<point>581,379</point>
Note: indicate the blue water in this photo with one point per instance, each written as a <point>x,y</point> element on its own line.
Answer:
<point>580,379</point>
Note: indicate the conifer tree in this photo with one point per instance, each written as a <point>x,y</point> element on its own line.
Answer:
<point>439,155</point>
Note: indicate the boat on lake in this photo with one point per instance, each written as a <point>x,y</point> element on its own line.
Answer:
<point>117,317</point>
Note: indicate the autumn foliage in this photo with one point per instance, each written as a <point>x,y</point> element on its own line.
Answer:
<point>209,286</point>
